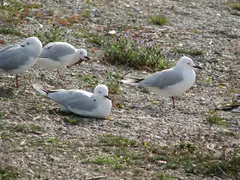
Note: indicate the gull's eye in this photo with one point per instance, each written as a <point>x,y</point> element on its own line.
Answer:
<point>28,43</point>
<point>188,63</point>
<point>99,92</point>
<point>80,52</point>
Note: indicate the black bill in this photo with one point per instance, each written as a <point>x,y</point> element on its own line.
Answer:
<point>107,97</point>
<point>198,67</point>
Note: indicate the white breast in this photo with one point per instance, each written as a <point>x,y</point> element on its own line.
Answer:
<point>104,109</point>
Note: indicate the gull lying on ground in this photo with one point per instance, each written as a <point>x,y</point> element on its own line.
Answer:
<point>58,54</point>
<point>170,82</point>
<point>96,104</point>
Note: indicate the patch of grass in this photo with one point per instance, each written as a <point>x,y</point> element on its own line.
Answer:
<point>90,3</point>
<point>14,11</point>
<point>8,173</point>
<point>72,120</point>
<point>56,146</point>
<point>129,50</point>
<point>118,141</point>
<point>227,133</point>
<point>14,5</point>
<point>158,20</point>
<point>11,31</point>
<point>192,158</point>
<point>234,5</point>
<point>84,34</point>
<point>113,81</point>
<point>86,14</point>
<point>2,114</point>
<point>69,21</point>
<point>53,140</point>
<point>208,80</point>
<point>54,34</point>
<point>196,31</point>
<point>28,128</point>
<point>226,165</point>
<point>215,119</point>
<point>115,162</point>
<point>198,160</point>
<point>185,51</point>
<point>5,135</point>
<point>89,79</point>
<point>161,176</point>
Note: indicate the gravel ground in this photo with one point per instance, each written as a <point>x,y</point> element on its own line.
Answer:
<point>206,25</point>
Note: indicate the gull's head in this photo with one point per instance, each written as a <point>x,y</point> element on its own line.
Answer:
<point>186,62</point>
<point>101,91</point>
<point>83,55</point>
<point>33,44</point>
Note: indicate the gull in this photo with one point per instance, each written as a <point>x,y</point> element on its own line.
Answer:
<point>58,54</point>
<point>20,57</point>
<point>84,103</point>
<point>169,82</point>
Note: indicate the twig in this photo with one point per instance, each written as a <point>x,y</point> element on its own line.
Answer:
<point>96,178</point>
<point>222,171</point>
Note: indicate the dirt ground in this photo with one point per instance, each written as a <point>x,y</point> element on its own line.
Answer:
<point>36,142</point>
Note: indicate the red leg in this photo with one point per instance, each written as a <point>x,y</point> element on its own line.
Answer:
<point>16,81</point>
<point>173,102</point>
<point>59,74</point>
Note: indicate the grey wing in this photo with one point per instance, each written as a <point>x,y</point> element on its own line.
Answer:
<point>73,99</point>
<point>8,47</point>
<point>163,79</point>
<point>13,58</point>
<point>55,51</point>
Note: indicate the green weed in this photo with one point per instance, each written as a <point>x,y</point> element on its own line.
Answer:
<point>234,5</point>
<point>15,11</point>
<point>215,119</point>
<point>72,121</point>
<point>54,34</point>
<point>208,80</point>
<point>69,21</point>
<point>137,53</point>
<point>118,141</point>
<point>2,114</point>
<point>198,160</point>
<point>113,81</point>
<point>28,128</point>
<point>89,79</point>
<point>86,14</point>
<point>161,176</point>
<point>7,173</point>
<point>11,31</point>
<point>158,20</point>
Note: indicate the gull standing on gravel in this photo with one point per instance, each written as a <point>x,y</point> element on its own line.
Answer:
<point>58,54</point>
<point>18,58</point>
<point>170,82</point>
<point>96,104</point>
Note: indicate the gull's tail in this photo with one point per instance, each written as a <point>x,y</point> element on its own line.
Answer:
<point>39,89</point>
<point>132,81</point>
